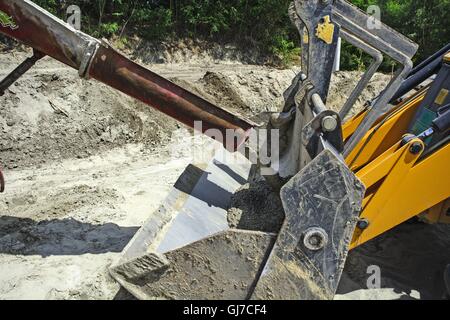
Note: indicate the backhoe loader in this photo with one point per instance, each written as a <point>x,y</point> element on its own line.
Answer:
<point>340,183</point>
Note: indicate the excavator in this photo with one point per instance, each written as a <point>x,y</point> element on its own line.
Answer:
<point>341,181</point>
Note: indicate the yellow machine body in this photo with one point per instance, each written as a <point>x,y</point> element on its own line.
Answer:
<point>401,184</point>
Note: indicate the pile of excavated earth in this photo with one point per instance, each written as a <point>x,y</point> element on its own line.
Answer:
<point>86,165</point>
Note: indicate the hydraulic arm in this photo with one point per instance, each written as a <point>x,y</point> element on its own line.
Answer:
<point>31,25</point>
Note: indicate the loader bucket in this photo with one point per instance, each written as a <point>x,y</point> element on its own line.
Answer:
<point>187,250</point>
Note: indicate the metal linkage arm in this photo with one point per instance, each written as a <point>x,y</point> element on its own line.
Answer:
<point>370,72</point>
<point>384,39</point>
<point>20,71</point>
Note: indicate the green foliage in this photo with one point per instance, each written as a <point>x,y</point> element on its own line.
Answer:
<point>353,59</point>
<point>258,23</point>
<point>152,23</point>
<point>286,50</point>
<point>49,5</point>
<point>108,29</point>
<point>425,22</point>
<point>208,16</point>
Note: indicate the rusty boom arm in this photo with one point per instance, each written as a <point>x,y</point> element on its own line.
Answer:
<point>47,35</point>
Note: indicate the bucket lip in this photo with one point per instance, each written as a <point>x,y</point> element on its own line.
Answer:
<point>137,290</point>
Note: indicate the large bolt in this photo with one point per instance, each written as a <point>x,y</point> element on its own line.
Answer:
<point>315,239</point>
<point>329,124</point>
<point>363,224</point>
<point>415,148</point>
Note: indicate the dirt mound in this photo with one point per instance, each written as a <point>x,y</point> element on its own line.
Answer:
<point>343,83</point>
<point>62,201</point>
<point>261,89</point>
<point>72,237</point>
<point>250,91</point>
<point>53,114</point>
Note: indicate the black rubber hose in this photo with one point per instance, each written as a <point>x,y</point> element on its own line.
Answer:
<point>442,123</point>
<point>421,72</point>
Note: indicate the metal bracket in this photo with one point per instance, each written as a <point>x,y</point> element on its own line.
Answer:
<point>307,262</point>
<point>322,22</point>
<point>370,72</point>
<point>316,129</point>
<point>385,40</point>
<point>20,71</point>
<point>88,57</point>
<point>326,124</point>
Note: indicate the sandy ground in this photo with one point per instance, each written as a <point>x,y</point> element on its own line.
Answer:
<point>85,167</point>
<point>62,224</point>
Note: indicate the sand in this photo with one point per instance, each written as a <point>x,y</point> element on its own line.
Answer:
<point>256,207</point>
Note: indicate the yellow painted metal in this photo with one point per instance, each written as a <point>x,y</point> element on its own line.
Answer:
<point>385,133</point>
<point>437,214</point>
<point>447,57</point>
<point>404,188</point>
<point>305,36</point>
<point>380,167</point>
<point>440,99</point>
<point>325,30</point>
<point>400,185</point>
<point>349,127</point>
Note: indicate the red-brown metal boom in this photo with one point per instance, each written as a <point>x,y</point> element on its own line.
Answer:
<point>28,23</point>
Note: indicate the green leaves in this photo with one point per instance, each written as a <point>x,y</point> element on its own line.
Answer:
<point>261,23</point>
<point>286,51</point>
<point>109,29</point>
